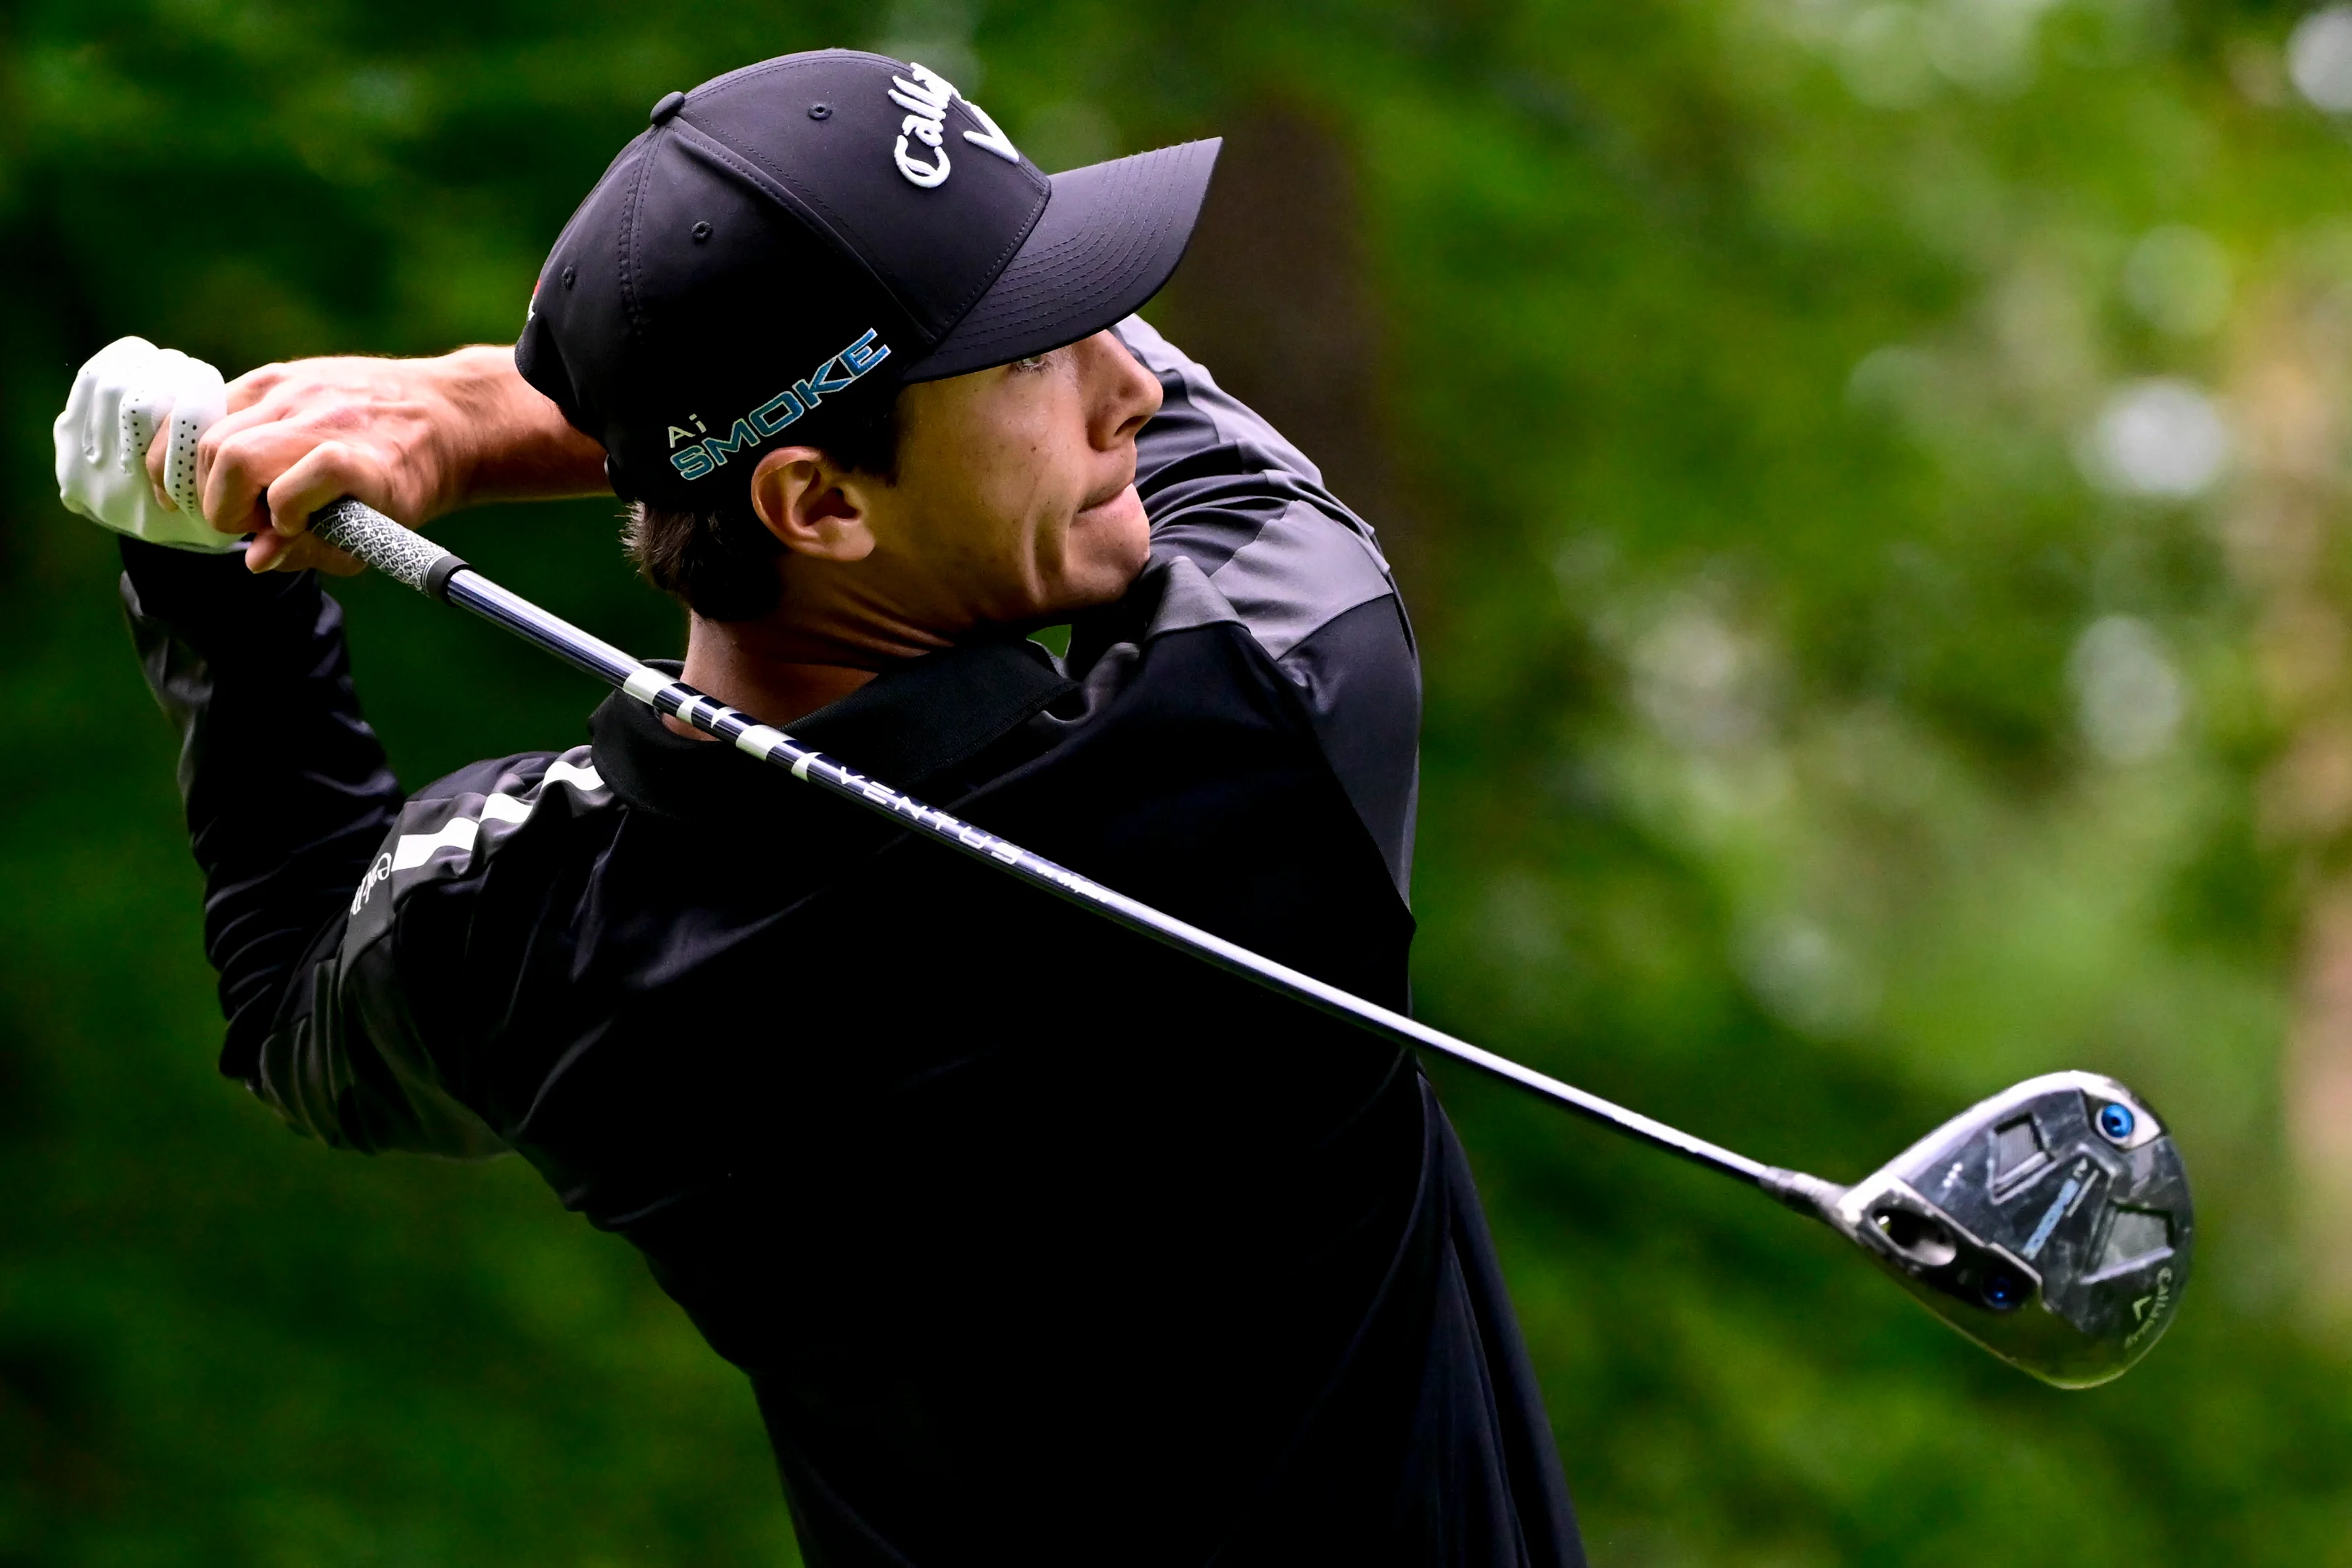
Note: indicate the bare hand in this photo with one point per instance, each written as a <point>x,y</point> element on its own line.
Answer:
<point>412,438</point>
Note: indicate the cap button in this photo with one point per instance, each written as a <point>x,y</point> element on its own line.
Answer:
<point>667,108</point>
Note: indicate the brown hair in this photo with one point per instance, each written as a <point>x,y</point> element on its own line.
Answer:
<point>721,563</point>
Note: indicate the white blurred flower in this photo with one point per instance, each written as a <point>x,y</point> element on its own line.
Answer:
<point>2161,437</point>
<point>2179,280</point>
<point>2319,59</point>
<point>1807,978</point>
<point>1696,680</point>
<point>1986,45</point>
<point>2129,698</point>
<point>1885,58</point>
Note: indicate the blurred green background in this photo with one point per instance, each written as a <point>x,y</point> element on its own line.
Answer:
<point>1868,475</point>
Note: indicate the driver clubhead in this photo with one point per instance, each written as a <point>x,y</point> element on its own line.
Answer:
<point>2051,1224</point>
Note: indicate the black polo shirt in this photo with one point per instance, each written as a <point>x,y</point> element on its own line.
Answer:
<point>1039,1242</point>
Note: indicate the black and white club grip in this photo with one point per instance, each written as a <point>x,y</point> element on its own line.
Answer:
<point>400,553</point>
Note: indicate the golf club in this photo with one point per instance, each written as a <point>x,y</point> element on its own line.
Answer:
<point>2051,1224</point>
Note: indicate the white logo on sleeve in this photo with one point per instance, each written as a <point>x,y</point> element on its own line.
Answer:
<point>925,100</point>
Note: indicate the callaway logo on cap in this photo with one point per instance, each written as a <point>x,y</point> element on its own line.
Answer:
<point>791,242</point>
<point>925,99</point>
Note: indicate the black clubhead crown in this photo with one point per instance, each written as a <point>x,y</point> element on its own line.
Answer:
<point>2051,1224</point>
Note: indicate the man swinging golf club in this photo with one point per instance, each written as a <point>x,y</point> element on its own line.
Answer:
<point>1039,1243</point>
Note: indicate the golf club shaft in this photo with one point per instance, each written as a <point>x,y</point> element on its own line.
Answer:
<point>400,553</point>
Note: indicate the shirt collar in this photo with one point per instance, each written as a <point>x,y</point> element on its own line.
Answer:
<point>910,724</point>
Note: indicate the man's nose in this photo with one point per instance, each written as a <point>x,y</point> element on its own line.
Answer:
<point>1121,394</point>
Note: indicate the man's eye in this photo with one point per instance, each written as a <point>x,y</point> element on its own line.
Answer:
<point>1033,362</point>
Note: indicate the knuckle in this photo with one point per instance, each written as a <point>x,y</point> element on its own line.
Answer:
<point>254,385</point>
<point>225,456</point>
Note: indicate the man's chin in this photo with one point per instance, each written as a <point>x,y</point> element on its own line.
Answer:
<point>1121,513</point>
<point>1108,546</point>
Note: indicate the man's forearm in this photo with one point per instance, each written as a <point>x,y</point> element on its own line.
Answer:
<point>508,441</point>
<point>412,438</point>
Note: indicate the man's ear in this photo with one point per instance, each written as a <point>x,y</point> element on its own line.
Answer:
<point>813,508</point>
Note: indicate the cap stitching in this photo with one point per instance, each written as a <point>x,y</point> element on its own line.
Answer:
<point>629,213</point>
<point>793,186</point>
<point>1003,259</point>
<point>1114,266</point>
<point>823,211</point>
<point>708,148</point>
<point>957,310</point>
<point>784,63</point>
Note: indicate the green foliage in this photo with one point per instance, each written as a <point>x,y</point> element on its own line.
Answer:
<point>1739,357</point>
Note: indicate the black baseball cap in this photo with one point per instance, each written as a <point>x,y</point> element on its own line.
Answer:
<point>788,244</point>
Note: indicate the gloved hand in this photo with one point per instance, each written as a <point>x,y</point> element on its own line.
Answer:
<point>129,390</point>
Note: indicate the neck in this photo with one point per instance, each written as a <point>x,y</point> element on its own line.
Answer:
<point>780,668</point>
<point>773,691</point>
<point>831,631</point>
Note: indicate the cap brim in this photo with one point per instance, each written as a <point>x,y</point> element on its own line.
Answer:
<point>1110,237</point>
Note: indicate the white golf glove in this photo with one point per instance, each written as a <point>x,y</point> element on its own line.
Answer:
<point>129,390</point>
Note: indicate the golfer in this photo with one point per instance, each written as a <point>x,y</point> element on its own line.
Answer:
<point>1039,1243</point>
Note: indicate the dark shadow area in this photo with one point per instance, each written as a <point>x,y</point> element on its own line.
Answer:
<point>1276,297</point>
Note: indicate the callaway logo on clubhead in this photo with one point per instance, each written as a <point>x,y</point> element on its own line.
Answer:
<point>925,100</point>
<point>2051,1224</point>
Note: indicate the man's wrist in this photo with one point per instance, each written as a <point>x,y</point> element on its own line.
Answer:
<point>505,440</point>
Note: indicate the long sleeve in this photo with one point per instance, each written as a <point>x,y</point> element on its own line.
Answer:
<point>287,790</point>
<point>289,805</point>
<point>1226,492</point>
